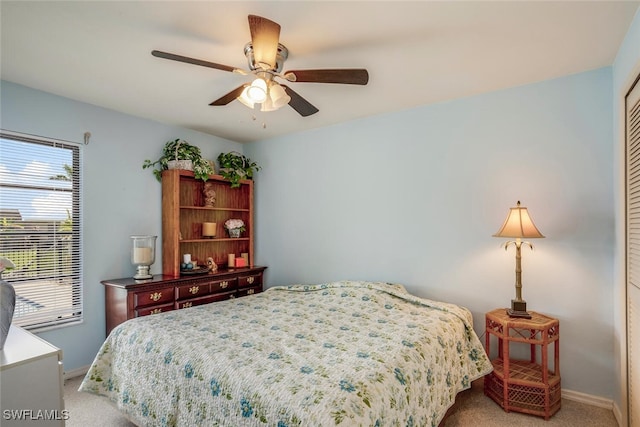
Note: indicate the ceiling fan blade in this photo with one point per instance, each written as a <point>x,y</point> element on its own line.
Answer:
<point>194,61</point>
<point>298,103</point>
<point>225,99</point>
<point>351,76</point>
<point>265,35</point>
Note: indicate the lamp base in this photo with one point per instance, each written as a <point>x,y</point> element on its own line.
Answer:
<point>518,309</point>
<point>142,272</point>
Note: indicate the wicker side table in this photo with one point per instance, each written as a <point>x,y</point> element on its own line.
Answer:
<point>527,386</point>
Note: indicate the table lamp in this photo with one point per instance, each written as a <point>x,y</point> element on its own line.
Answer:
<point>518,225</point>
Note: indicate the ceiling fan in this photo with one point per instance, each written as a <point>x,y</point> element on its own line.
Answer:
<point>266,57</point>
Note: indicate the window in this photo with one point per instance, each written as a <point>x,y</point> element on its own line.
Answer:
<point>40,228</point>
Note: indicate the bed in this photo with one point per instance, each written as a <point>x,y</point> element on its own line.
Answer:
<point>343,354</point>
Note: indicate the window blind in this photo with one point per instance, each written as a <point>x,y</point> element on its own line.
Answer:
<point>40,228</point>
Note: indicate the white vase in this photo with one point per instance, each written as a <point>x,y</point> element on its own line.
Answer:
<point>234,232</point>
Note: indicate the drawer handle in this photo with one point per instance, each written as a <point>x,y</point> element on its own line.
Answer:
<point>194,289</point>
<point>250,291</point>
<point>156,311</point>
<point>187,304</point>
<point>224,284</point>
<point>250,280</point>
<point>155,296</point>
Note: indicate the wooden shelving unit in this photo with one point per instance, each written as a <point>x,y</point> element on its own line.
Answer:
<point>183,213</point>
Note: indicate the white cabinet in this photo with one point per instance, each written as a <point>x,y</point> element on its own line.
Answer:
<point>31,384</point>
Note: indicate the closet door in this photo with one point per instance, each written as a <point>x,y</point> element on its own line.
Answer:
<point>632,103</point>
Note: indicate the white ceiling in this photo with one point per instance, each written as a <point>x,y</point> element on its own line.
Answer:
<point>417,53</point>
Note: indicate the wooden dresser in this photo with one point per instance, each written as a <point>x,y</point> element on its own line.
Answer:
<point>128,298</point>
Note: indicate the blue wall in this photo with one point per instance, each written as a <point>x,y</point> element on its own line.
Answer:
<point>414,197</point>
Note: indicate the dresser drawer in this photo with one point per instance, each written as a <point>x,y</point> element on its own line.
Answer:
<point>242,292</point>
<point>154,309</point>
<point>249,281</point>
<point>204,300</point>
<point>153,297</point>
<point>224,285</point>
<point>192,290</point>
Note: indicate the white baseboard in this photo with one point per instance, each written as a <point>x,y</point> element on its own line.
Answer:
<point>78,372</point>
<point>617,413</point>
<point>588,399</point>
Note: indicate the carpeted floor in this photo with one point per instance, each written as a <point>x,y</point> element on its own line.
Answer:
<point>473,409</point>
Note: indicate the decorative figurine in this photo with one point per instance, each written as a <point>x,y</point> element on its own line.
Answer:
<point>213,267</point>
<point>209,194</point>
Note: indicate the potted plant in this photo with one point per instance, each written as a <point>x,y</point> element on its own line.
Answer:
<point>179,154</point>
<point>234,227</point>
<point>235,166</point>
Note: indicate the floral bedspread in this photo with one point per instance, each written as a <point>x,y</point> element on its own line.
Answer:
<point>343,353</point>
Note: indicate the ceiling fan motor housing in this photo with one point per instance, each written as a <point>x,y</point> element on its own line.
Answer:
<point>281,56</point>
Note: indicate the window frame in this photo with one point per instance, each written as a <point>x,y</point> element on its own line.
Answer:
<point>66,307</point>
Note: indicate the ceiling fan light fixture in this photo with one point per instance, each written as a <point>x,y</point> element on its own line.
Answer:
<point>267,105</point>
<point>278,96</point>
<point>257,92</point>
<point>244,98</point>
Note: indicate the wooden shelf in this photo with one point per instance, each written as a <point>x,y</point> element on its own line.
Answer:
<point>523,372</point>
<point>215,240</point>
<point>206,208</point>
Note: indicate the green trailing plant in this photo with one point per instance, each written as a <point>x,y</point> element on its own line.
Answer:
<point>179,149</point>
<point>235,167</point>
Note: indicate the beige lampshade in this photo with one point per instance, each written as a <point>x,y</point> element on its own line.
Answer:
<point>518,224</point>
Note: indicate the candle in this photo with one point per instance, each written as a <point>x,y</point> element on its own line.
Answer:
<point>186,258</point>
<point>209,229</point>
<point>142,256</point>
<point>241,262</point>
<point>231,262</point>
<point>245,255</point>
